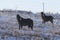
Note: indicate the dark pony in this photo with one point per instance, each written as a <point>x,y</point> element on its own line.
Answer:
<point>24,22</point>
<point>46,18</point>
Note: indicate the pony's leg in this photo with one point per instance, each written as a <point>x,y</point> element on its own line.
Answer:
<point>43,22</point>
<point>30,26</point>
<point>19,27</point>
<point>52,23</point>
<point>53,29</point>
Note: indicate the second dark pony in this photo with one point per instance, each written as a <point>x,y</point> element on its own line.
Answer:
<point>46,18</point>
<point>24,22</point>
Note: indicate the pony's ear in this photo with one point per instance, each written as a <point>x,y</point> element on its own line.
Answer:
<point>41,12</point>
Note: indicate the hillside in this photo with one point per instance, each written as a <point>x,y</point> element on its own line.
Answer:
<point>9,26</point>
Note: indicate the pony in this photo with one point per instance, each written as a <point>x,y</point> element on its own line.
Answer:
<point>46,18</point>
<point>24,22</point>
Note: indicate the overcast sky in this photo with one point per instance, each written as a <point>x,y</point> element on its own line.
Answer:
<point>31,5</point>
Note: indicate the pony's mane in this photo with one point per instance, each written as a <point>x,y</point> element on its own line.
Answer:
<point>18,16</point>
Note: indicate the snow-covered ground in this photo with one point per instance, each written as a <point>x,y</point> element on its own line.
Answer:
<point>9,28</point>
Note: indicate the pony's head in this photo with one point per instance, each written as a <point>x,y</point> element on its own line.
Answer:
<point>18,16</point>
<point>42,13</point>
